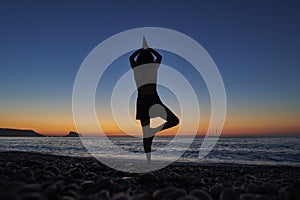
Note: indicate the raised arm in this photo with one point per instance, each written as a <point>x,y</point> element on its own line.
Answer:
<point>132,57</point>
<point>157,55</point>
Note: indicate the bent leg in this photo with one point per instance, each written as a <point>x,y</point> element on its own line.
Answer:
<point>171,119</point>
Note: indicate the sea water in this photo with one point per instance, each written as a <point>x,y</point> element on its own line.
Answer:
<point>237,150</point>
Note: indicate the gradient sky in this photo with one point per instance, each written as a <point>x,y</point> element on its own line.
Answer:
<point>255,44</point>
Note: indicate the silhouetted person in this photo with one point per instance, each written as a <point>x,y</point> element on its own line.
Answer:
<point>145,73</point>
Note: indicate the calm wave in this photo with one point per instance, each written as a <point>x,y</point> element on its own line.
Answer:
<point>241,150</point>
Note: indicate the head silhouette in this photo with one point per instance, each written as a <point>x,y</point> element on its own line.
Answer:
<point>145,57</point>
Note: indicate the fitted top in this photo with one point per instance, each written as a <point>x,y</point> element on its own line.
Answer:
<point>146,78</point>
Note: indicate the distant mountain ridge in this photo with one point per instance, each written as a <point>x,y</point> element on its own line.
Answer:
<point>72,134</point>
<point>18,133</point>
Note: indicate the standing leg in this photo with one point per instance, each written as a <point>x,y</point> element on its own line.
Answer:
<point>147,138</point>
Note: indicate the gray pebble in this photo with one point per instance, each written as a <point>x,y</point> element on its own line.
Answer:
<point>140,196</point>
<point>9,195</point>
<point>167,184</point>
<point>247,196</point>
<point>175,194</point>
<point>160,194</point>
<point>188,197</point>
<point>53,169</point>
<point>201,194</point>
<point>119,196</point>
<point>89,186</point>
<point>114,188</point>
<point>33,196</point>
<point>96,167</point>
<point>76,173</point>
<point>220,179</point>
<point>205,173</point>
<point>136,191</point>
<point>268,188</point>
<point>104,194</point>
<point>51,190</point>
<point>261,197</point>
<point>283,194</point>
<point>67,197</point>
<point>72,186</point>
<point>11,165</point>
<point>252,188</point>
<point>49,175</point>
<point>104,182</point>
<point>216,190</point>
<point>147,178</point>
<point>229,194</point>
<point>14,186</point>
<point>240,180</point>
<point>30,188</point>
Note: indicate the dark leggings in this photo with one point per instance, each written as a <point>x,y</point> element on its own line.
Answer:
<point>147,142</point>
<point>171,121</point>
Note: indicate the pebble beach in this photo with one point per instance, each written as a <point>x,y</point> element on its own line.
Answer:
<point>30,176</point>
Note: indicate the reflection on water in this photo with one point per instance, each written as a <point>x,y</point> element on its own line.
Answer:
<point>248,150</point>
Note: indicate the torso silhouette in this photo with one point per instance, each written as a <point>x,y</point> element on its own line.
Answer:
<point>145,70</point>
<point>146,78</point>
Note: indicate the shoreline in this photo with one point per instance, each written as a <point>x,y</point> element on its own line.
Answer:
<point>176,163</point>
<point>182,161</point>
<point>28,175</point>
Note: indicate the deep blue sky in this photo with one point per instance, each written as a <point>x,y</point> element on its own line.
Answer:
<point>255,45</point>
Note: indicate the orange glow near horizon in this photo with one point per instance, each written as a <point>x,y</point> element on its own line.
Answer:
<point>231,127</point>
<point>237,123</point>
